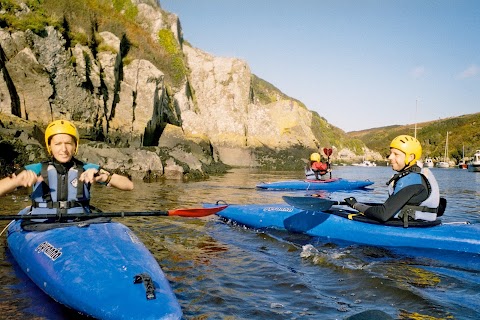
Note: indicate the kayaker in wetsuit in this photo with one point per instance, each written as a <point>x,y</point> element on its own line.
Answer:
<point>317,167</point>
<point>62,183</point>
<point>413,191</point>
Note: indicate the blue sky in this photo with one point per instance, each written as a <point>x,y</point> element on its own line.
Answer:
<point>359,63</point>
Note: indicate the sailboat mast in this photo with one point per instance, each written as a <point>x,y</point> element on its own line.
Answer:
<point>446,149</point>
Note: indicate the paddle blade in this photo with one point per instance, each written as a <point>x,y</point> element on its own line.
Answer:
<point>328,152</point>
<point>196,212</point>
<point>309,203</point>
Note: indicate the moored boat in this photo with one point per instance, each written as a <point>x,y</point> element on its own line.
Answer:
<point>95,267</point>
<point>333,224</point>
<point>428,163</point>
<point>474,164</point>
<point>365,163</point>
<point>462,164</point>
<point>328,184</point>
<point>444,163</point>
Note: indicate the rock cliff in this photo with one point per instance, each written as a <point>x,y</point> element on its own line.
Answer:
<point>118,96</point>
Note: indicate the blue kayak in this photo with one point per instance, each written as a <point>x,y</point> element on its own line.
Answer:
<point>328,185</point>
<point>333,224</point>
<point>99,269</point>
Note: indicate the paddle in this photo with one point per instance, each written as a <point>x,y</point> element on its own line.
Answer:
<point>312,203</point>
<point>192,213</point>
<point>309,203</point>
<point>328,153</point>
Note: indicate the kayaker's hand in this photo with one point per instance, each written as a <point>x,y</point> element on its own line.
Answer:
<point>103,176</point>
<point>89,176</point>
<point>26,178</point>
<point>351,201</point>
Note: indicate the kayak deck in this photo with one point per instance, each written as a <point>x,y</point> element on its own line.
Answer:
<point>330,184</point>
<point>102,270</point>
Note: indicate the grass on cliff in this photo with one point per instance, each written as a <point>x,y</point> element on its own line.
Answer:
<point>80,21</point>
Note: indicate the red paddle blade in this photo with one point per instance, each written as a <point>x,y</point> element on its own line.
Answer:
<point>195,212</point>
<point>328,152</point>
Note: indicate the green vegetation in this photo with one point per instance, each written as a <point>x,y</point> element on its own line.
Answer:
<point>326,134</point>
<point>129,9</point>
<point>265,92</point>
<point>330,136</point>
<point>33,17</point>
<point>81,21</point>
<point>463,132</point>
<point>176,65</point>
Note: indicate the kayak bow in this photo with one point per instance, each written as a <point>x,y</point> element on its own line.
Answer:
<point>99,269</point>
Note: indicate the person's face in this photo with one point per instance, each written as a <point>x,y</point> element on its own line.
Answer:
<point>397,159</point>
<point>63,147</point>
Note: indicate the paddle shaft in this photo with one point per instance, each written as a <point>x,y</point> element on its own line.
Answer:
<point>312,203</point>
<point>195,212</point>
<point>343,203</point>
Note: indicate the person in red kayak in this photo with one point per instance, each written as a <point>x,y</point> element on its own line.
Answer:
<point>317,168</point>
<point>63,182</point>
<point>413,190</point>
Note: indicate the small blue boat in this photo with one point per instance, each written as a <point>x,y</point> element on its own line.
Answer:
<point>333,224</point>
<point>327,185</point>
<point>99,269</point>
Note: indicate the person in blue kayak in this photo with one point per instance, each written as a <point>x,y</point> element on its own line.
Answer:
<point>413,191</point>
<point>317,168</point>
<point>62,184</point>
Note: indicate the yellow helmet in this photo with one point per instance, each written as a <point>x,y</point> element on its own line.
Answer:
<point>61,126</point>
<point>408,145</point>
<point>315,157</point>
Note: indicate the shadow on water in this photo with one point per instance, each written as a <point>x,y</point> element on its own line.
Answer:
<point>221,270</point>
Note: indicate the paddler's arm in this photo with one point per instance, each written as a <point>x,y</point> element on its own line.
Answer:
<point>118,181</point>
<point>386,211</point>
<point>95,174</point>
<point>21,178</point>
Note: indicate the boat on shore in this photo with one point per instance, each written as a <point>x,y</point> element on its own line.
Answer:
<point>312,184</point>
<point>474,164</point>
<point>334,225</point>
<point>96,267</point>
<point>443,164</point>
<point>365,163</point>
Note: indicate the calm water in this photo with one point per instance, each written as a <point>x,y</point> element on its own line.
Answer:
<point>221,271</point>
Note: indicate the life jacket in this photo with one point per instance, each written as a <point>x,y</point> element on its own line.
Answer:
<point>429,208</point>
<point>61,192</point>
<point>316,168</point>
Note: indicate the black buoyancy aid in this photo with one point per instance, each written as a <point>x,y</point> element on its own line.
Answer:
<point>61,190</point>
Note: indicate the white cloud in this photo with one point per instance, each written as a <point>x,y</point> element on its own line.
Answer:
<point>470,72</point>
<point>418,72</point>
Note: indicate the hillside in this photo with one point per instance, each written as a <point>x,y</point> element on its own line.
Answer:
<point>464,131</point>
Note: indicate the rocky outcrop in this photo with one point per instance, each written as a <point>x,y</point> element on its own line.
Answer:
<point>227,114</point>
